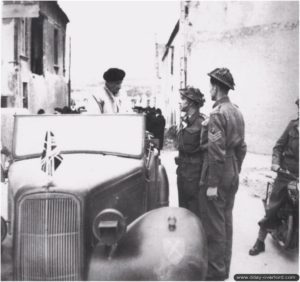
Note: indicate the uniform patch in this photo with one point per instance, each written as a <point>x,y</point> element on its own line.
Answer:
<point>213,137</point>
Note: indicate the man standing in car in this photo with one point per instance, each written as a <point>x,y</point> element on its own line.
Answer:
<point>226,150</point>
<point>107,100</point>
<point>189,159</point>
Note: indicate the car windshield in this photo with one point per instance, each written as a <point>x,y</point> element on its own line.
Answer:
<point>109,134</point>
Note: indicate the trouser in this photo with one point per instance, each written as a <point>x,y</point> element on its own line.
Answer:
<point>188,176</point>
<point>216,216</point>
<point>277,199</point>
<point>188,193</point>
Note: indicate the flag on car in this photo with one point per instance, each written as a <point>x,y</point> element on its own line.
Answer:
<point>51,157</point>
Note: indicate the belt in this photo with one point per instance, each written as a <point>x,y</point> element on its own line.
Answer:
<point>196,158</point>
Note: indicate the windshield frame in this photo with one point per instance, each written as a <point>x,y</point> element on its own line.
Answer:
<point>100,152</point>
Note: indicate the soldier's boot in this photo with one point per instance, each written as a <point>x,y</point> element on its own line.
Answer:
<point>258,247</point>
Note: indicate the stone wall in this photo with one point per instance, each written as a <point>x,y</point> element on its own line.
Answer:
<point>258,42</point>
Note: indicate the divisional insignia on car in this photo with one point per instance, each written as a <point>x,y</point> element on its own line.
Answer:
<point>174,249</point>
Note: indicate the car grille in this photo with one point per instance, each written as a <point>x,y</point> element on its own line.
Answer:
<point>49,243</point>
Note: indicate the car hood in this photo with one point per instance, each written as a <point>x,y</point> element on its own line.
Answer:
<point>81,172</point>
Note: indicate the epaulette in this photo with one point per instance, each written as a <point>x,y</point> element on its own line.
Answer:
<point>216,110</point>
<point>205,122</point>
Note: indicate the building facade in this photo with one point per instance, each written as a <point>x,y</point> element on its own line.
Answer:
<point>33,57</point>
<point>259,42</point>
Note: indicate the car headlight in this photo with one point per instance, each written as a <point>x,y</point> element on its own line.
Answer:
<point>109,226</point>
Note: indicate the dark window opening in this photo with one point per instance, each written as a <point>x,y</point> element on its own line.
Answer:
<point>25,95</point>
<point>37,45</point>
<point>4,101</point>
<point>64,54</point>
<point>24,37</point>
<point>55,47</point>
<point>172,60</point>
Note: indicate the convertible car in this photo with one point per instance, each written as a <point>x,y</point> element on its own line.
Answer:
<point>89,201</point>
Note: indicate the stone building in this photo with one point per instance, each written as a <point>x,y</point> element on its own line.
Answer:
<point>33,69</point>
<point>258,41</point>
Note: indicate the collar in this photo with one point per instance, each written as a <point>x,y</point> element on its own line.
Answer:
<point>224,99</point>
<point>110,94</point>
<point>192,117</point>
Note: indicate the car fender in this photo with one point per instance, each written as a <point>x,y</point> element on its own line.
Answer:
<point>168,243</point>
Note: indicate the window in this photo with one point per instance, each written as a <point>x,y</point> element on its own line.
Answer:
<point>64,54</point>
<point>55,47</point>
<point>24,37</point>
<point>25,95</point>
<point>4,101</point>
<point>37,43</point>
<point>172,59</point>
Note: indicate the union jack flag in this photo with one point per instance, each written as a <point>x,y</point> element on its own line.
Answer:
<point>51,157</point>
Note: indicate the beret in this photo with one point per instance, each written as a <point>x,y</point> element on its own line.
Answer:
<point>114,74</point>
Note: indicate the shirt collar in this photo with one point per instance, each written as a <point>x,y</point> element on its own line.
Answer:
<point>192,117</point>
<point>110,94</point>
<point>224,99</point>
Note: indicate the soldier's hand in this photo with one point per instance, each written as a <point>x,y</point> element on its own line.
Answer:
<point>275,167</point>
<point>212,193</point>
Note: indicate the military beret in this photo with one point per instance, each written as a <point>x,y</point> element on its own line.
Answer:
<point>114,74</point>
<point>224,76</point>
<point>193,94</point>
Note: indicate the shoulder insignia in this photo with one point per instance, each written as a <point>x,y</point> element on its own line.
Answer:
<point>216,110</point>
<point>226,114</point>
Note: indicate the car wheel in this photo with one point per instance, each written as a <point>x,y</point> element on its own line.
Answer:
<point>284,233</point>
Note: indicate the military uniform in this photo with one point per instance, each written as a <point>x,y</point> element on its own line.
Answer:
<point>190,157</point>
<point>225,153</point>
<point>189,162</point>
<point>286,155</point>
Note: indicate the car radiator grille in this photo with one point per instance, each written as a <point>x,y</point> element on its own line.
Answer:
<point>49,243</point>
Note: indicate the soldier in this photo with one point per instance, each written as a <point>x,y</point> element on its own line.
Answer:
<point>107,101</point>
<point>285,156</point>
<point>225,153</point>
<point>159,127</point>
<point>189,159</point>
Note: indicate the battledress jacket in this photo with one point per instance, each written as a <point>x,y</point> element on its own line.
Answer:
<point>189,137</point>
<point>226,137</point>
<point>286,149</point>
